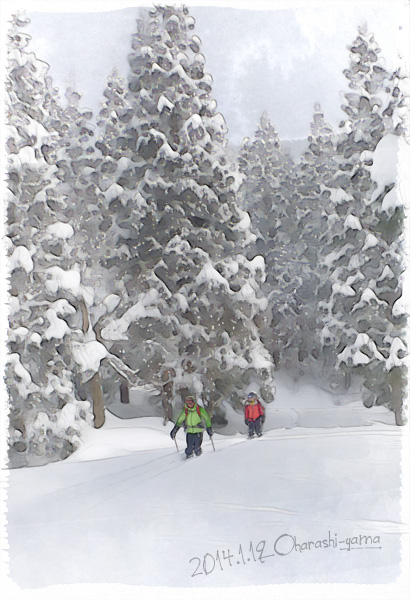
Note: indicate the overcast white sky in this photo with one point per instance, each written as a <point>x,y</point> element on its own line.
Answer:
<point>282,60</point>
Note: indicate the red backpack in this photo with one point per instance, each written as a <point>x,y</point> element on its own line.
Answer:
<point>198,410</point>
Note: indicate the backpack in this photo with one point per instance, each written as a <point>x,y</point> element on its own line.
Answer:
<point>198,410</point>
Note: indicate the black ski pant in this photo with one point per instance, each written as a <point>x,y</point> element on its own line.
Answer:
<point>255,426</point>
<point>193,441</point>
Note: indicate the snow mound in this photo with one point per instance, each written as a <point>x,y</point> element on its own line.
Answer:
<point>120,437</point>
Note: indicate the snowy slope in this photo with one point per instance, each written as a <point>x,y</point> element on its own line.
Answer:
<point>143,517</point>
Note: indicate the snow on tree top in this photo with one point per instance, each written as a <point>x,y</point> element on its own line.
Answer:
<point>182,301</point>
<point>338,196</point>
<point>371,241</point>
<point>167,151</point>
<point>244,223</point>
<point>360,359</point>
<point>178,245</point>
<point>146,51</point>
<point>89,355</point>
<point>111,302</point>
<point>352,222</point>
<point>258,262</point>
<point>113,191</point>
<point>163,102</point>
<point>35,339</point>
<point>21,258</point>
<point>219,122</point>
<point>230,266</point>
<point>37,130</point>
<point>248,294</point>
<point>124,163</point>
<point>343,289</point>
<point>63,308</point>
<point>156,67</point>
<point>260,358</point>
<point>392,200</point>
<point>193,332</point>
<point>367,296</point>
<point>336,254</point>
<point>68,280</point>
<point>60,230</point>
<point>179,70</point>
<point>384,170</point>
<point>229,358</point>
<point>387,273</point>
<point>366,155</point>
<point>394,360</point>
<point>195,121</point>
<point>154,180</point>
<point>26,386</point>
<point>182,58</point>
<point>57,328</point>
<point>209,274</point>
<point>146,307</point>
<point>399,307</point>
<point>361,340</point>
<point>25,156</point>
<point>18,334</point>
<point>353,278</point>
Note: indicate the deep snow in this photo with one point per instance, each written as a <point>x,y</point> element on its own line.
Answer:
<point>126,509</point>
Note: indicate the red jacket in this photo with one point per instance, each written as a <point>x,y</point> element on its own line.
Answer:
<point>253,411</point>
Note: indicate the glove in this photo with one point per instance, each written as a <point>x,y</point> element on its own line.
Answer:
<point>209,431</point>
<point>262,419</point>
<point>246,422</point>
<point>174,432</point>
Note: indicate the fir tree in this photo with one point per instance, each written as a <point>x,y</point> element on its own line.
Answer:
<point>46,414</point>
<point>268,194</point>
<point>362,256</point>
<point>196,298</point>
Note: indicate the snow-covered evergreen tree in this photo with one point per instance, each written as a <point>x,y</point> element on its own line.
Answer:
<point>268,195</point>
<point>268,170</point>
<point>88,176</point>
<point>375,106</point>
<point>318,162</point>
<point>46,415</point>
<point>362,259</point>
<point>310,211</point>
<point>195,297</point>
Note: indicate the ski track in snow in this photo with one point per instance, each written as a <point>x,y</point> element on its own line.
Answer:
<point>141,517</point>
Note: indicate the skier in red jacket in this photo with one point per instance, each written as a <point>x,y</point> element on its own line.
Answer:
<point>254,415</point>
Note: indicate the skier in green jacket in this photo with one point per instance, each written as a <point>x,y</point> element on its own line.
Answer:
<point>193,415</point>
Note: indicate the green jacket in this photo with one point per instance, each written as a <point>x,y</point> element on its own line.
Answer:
<point>193,420</point>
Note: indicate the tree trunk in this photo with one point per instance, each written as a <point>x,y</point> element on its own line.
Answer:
<point>398,413</point>
<point>95,382</point>
<point>98,404</point>
<point>397,380</point>
<point>84,311</point>
<point>124,393</point>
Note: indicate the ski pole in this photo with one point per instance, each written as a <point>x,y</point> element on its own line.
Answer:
<point>175,440</point>
<point>212,442</point>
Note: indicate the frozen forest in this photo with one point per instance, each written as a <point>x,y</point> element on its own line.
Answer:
<point>146,252</point>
